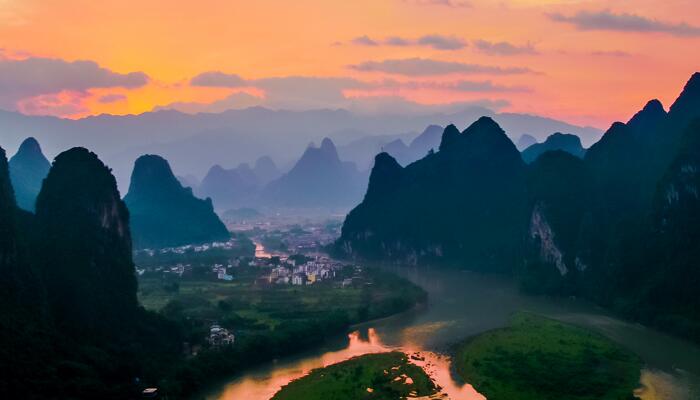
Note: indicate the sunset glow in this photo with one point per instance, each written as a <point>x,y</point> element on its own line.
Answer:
<point>552,58</point>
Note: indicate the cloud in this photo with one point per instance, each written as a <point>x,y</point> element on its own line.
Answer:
<point>465,86</point>
<point>484,86</point>
<point>309,92</point>
<point>111,98</point>
<point>435,41</point>
<point>444,3</point>
<point>397,41</point>
<point>430,67</point>
<point>218,79</point>
<point>364,41</point>
<point>611,53</point>
<point>442,42</point>
<point>624,22</point>
<point>35,76</point>
<point>374,105</point>
<point>503,48</point>
<point>64,103</point>
<point>234,101</point>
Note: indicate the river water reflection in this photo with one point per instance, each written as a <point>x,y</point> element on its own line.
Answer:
<point>462,304</point>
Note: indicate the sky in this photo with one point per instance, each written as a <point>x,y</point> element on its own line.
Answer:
<point>584,62</point>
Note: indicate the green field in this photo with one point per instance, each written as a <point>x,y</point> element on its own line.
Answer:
<point>269,321</point>
<point>385,376</point>
<point>245,306</point>
<point>536,358</point>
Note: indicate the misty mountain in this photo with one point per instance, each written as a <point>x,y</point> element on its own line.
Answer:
<point>557,141</point>
<point>266,170</point>
<point>163,213</point>
<point>525,141</point>
<point>229,188</point>
<point>189,180</point>
<point>363,150</point>
<point>428,140</point>
<point>195,142</point>
<point>28,168</point>
<point>318,180</point>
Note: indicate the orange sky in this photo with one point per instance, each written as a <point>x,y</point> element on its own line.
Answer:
<point>589,68</point>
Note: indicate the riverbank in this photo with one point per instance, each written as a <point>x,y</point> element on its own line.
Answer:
<point>268,321</point>
<point>536,358</point>
<point>465,304</point>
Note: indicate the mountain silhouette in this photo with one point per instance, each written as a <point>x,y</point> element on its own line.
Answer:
<point>163,213</point>
<point>430,210</point>
<point>557,141</point>
<point>28,168</point>
<point>619,227</point>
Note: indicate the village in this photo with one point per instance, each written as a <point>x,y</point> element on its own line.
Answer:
<point>239,263</point>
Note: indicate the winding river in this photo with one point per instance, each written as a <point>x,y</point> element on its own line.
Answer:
<point>462,304</point>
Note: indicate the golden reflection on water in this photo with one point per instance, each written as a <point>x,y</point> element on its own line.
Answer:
<point>658,385</point>
<point>413,335</point>
<point>262,386</point>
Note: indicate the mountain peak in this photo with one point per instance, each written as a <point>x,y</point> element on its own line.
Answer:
<point>327,146</point>
<point>485,125</point>
<point>384,178</point>
<point>654,105</point>
<point>31,146</point>
<point>244,167</point>
<point>215,169</point>
<point>648,117</point>
<point>427,140</point>
<point>264,162</point>
<point>687,105</point>
<point>28,168</point>
<point>525,141</point>
<point>152,173</point>
<point>163,213</point>
<point>266,170</point>
<point>385,160</point>
<point>87,244</point>
<point>449,136</point>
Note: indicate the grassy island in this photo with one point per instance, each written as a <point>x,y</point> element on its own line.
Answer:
<point>536,358</point>
<point>385,376</point>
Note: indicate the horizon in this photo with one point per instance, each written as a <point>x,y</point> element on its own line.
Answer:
<point>411,55</point>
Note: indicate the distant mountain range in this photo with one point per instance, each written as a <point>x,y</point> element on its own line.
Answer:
<point>619,225</point>
<point>193,143</point>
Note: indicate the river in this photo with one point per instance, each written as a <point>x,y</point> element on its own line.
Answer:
<point>462,304</point>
